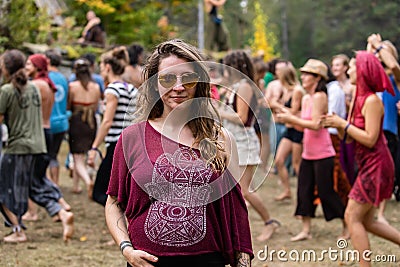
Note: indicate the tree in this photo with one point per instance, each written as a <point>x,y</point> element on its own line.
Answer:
<point>263,40</point>
<point>21,21</point>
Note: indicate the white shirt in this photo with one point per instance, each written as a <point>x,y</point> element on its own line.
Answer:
<point>336,102</point>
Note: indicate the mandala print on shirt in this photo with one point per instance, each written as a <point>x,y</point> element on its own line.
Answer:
<point>181,190</point>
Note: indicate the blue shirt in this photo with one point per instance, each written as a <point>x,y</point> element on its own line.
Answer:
<point>59,115</point>
<point>96,77</point>
<point>389,104</point>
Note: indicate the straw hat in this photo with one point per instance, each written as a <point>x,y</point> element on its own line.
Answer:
<point>317,67</point>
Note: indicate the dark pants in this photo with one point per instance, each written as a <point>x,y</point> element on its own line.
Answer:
<point>208,260</point>
<point>392,143</point>
<point>103,176</point>
<point>42,191</point>
<point>318,173</point>
<point>54,147</point>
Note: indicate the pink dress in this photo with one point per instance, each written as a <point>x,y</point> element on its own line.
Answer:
<point>374,182</point>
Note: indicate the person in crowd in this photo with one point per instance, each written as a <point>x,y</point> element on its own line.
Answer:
<point>374,181</point>
<point>317,164</point>
<point>20,106</point>
<point>59,124</point>
<point>93,33</point>
<point>120,100</point>
<point>217,37</point>
<point>133,73</point>
<point>274,93</point>
<point>83,98</point>
<point>339,67</point>
<point>176,169</point>
<point>337,105</point>
<point>37,69</point>
<point>388,56</point>
<point>239,119</point>
<point>291,142</point>
<point>270,75</point>
<point>263,115</point>
<point>95,76</point>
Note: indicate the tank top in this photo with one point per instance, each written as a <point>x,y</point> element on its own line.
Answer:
<point>316,144</point>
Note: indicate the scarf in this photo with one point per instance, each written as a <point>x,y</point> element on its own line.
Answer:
<point>40,63</point>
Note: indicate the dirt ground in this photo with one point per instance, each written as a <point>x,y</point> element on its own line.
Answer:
<point>89,245</point>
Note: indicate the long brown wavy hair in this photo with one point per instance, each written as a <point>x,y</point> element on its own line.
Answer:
<point>205,125</point>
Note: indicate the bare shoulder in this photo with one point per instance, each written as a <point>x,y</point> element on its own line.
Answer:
<point>373,100</point>
<point>42,85</point>
<point>275,84</point>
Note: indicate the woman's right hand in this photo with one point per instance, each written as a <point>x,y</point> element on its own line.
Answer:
<point>139,258</point>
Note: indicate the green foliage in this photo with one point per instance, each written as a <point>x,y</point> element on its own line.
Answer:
<point>20,24</point>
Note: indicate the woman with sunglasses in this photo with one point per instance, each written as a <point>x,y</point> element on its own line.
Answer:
<point>119,105</point>
<point>173,199</point>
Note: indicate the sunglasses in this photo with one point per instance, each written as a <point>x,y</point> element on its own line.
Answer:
<point>188,80</point>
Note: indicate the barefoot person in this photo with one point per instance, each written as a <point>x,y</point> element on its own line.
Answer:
<point>239,120</point>
<point>20,105</point>
<point>374,182</point>
<point>36,68</point>
<point>168,171</point>
<point>317,164</point>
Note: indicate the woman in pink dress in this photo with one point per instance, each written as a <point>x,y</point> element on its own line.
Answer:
<point>374,182</point>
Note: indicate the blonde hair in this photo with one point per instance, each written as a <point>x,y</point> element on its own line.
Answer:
<point>288,75</point>
<point>345,59</point>
<point>204,126</point>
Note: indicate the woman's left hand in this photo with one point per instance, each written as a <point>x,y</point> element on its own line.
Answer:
<point>333,121</point>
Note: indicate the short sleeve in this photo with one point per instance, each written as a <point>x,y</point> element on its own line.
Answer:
<point>117,186</point>
<point>4,100</point>
<point>112,90</point>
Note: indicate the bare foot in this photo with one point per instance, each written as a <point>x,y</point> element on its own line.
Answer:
<point>301,236</point>
<point>30,217</point>
<point>269,228</point>
<point>283,197</point>
<point>67,219</point>
<point>77,190</point>
<point>64,204</point>
<point>16,237</point>
<point>345,234</point>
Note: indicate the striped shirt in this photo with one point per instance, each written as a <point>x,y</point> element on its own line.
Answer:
<point>127,96</point>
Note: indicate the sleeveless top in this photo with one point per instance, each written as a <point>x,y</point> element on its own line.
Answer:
<point>374,182</point>
<point>316,144</point>
<point>232,101</point>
